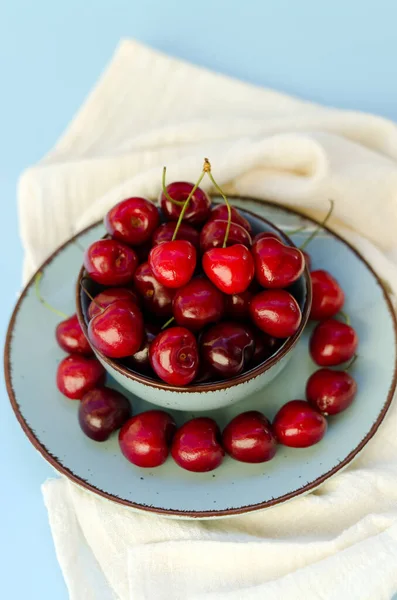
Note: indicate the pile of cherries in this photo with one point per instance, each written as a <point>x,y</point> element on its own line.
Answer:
<point>231,312</point>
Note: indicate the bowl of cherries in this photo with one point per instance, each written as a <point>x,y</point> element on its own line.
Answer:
<point>191,305</point>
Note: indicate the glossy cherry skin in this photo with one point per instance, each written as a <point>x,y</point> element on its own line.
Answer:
<point>140,360</point>
<point>299,425</point>
<point>118,330</point>
<point>265,235</point>
<point>265,347</point>
<point>185,232</point>
<point>333,343</point>
<point>249,438</point>
<point>230,269</point>
<point>237,305</point>
<point>157,298</point>
<point>199,205</point>
<point>327,296</point>
<point>132,221</point>
<point>277,265</point>
<point>213,234</point>
<point>77,375</point>
<point>102,411</point>
<point>276,312</point>
<point>145,439</point>
<point>173,263</point>
<point>197,304</point>
<point>174,356</point>
<point>197,446</point>
<point>109,296</point>
<point>221,212</point>
<point>110,262</point>
<point>227,348</point>
<point>330,391</point>
<point>71,338</point>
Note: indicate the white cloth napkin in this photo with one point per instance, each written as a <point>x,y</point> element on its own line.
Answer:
<point>149,110</point>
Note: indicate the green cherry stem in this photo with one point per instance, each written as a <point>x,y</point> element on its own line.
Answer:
<point>168,323</point>
<point>166,194</point>
<point>229,210</point>
<point>319,228</point>
<point>351,363</point>
<point>186,203</point>
<point>87,293</point>
<point>345,316</point>
<point>40,298</point>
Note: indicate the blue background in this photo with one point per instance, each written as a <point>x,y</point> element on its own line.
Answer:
<point>51,53</point>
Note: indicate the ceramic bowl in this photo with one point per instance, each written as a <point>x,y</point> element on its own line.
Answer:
<point>205,396</point>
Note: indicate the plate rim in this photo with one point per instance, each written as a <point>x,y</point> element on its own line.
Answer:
<point>58,466</point>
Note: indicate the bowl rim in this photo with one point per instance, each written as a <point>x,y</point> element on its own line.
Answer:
<point>244,377</point>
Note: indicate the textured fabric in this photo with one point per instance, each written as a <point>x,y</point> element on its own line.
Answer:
<point>149,110</point>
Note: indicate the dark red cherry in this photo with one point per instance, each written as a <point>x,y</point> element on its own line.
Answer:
<point>71,338</point>
<point>140,360</point>
<point>145,439</point>
<point>221,212</point>
<point>213,234</point>
<point>276,312</point>
<point>197,446</point>
<point>197,304</point>
<point>277,265</point>
<point>77,375</point>
<point>185,232</point>
<point>265,235</point>
<point>330,391</point>
<point>118,330</point>
<point>102,411</point>
<point>109,296</point>
<point>132,221</point>
<point>299,425</point>
<point>249,438</point>
<point>143,251</point>
<point>173,263</point>
<point>110,262</point>
<point>327,296</point>
<point>332,343</point>
<point>237,305</point>
<point>199,205</point>
<point>230,269</point>
<point>174,356</point>
<point>157,298</point>
<point>227,348</point>
<point>265,347</point>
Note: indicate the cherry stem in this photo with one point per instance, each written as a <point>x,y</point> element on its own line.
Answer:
<point>315,233</point>
<point>168,323</point>
<point>229,210</point>
<point>351,363</point>
<point>186,203</point>
<point>91,297</point>
<point>345,317</point>
<point>79,246</point>
<point>41,299</point>
<point>166,194</point>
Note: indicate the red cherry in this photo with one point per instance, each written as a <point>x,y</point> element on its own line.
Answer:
<point>199,205</point>
<point>102,411</point>
<point>185,232</point>
<point>157,298</point>
<point>197,446</point>
<point>333,343</point>
<point>145,439</point>
<point>298,425</point>
<point>249,438</point>
<point>265,347</point>
<point>118,330</point>
<point>109,296</point>
<point>327,296</point>
<point>132,221</point>
<point>213,234</point>
<point>173,263</point>
<point>77,375</point>
<point>109,262</point>
<point>227,348</point>
<point>276,312</point>
<point>71,338</point>
<point>140,360</point>
<point>331,392</point>
<point>230,269</point>
<point>277,265</point>
<point>174,356</point>
<point>221,212</point>
<point>265,235</point>
<point>237,305</point>
<point>197,304</point>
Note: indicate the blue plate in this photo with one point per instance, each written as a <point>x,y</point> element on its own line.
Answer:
<point>50,420</point>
